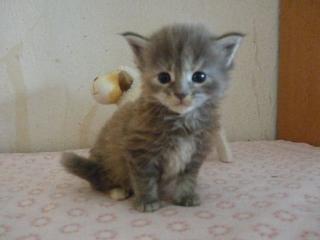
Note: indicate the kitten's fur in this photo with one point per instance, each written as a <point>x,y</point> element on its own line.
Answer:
<point>154,140</point>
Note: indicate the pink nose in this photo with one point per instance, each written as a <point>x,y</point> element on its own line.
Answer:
<point>180,95</point>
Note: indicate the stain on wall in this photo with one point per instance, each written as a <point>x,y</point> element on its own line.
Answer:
<point>86,125</point>
<point>258,66</point>
<point>15,75</point>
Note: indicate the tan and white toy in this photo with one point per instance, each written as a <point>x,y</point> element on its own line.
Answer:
<point>117,87</point>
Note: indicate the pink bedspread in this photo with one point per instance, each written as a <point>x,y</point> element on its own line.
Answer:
<point>272,191</point>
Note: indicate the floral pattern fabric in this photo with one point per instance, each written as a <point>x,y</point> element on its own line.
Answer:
<point>271,191</point>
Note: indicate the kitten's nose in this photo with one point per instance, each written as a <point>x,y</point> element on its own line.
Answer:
<point>180,95</point>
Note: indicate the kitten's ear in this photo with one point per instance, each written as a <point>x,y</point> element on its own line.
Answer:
<point>228,45</point>
<point>137,43</point>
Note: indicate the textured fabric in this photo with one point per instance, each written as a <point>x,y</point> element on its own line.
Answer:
<point>271,191</point>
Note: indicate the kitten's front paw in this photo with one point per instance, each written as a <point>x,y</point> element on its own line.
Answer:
<point>147,206</point>
<point>187,200</point>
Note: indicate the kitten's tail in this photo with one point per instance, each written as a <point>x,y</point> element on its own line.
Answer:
<point>90,170</point>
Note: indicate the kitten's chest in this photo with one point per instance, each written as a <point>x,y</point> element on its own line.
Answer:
<point>178,156</point>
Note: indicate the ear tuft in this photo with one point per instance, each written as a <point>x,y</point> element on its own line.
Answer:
<point>229,44</point>
<point>137,43</point>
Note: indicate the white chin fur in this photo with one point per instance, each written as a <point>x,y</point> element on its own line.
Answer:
<point>180,109</point>
<point>171,103</point>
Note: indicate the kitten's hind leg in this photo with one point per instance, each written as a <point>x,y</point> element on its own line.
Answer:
<point>118,194</point>
<point>223,149</point>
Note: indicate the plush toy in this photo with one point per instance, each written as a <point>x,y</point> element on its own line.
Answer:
<point>117,87</point>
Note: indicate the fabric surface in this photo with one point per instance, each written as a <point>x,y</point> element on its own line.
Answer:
<point>271,191</point>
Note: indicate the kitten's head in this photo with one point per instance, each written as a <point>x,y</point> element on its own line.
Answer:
<point>184,66</point>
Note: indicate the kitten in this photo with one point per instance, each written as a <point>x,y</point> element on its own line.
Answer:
<point>166,133</point>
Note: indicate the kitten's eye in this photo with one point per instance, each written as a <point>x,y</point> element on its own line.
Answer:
<point>199,77</point>
<point>164,77</point>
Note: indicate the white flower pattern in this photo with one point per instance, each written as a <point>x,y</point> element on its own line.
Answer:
<point>271,191</point>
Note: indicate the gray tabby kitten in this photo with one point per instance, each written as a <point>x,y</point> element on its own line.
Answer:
<point>166,133</point>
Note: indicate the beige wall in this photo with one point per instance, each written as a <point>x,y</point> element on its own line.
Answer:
<point>51,50</point>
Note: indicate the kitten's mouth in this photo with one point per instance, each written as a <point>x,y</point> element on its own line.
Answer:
<point>182,104</point>
<point>181,107</point>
